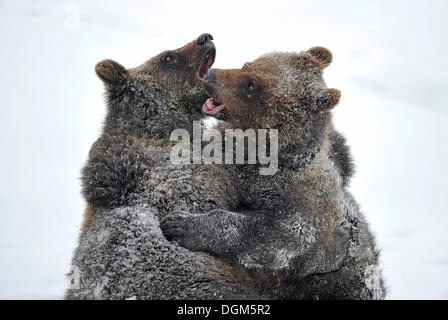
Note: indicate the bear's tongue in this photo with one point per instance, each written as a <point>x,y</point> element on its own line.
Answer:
<point>212,107</point>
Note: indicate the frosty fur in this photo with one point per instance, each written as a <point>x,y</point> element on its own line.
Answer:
<point>130,184</point>
<point>301,235</point>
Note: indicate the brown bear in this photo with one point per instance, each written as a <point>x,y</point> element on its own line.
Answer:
<point>302,235</point>
<point>130,183</point>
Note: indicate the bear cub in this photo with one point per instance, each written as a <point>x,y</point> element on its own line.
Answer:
<point>302,236</point>
<point>130,183</point>
<point>129,163</point>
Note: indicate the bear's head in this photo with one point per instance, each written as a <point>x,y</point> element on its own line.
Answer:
<point>283,91</point>
<point>162,94</point>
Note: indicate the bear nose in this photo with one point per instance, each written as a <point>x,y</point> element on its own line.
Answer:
<point>211,76</point>
<point>204,38</point>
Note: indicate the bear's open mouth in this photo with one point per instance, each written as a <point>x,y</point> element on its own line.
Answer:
<point>207,62</point>
<point>212,106</point>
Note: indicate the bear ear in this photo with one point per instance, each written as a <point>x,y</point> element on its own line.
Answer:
<point>113,74</point>
<point>328,99</point>
<point>322,55</point>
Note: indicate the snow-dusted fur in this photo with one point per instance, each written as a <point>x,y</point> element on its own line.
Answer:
<point>302,235</point>
<point>129,184</point>
<point>124,255</point>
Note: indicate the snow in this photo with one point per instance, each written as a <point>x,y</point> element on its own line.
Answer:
<point>389,63</point>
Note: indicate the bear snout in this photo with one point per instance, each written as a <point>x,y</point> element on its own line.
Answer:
<point>204,38</point>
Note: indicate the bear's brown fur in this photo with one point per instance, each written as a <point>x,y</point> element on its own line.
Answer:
<point>303,230</point>
<point>130,183</point>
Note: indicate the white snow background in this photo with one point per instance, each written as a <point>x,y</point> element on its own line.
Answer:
<point>389,63</point>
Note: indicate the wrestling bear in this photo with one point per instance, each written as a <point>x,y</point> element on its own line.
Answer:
<point>302,235</point>
<point>130,183</point>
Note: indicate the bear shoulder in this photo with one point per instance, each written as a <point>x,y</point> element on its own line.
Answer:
<point>115,163</point>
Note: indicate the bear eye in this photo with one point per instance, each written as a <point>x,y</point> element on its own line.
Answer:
<point>168,58</point>
<point>251,85</point>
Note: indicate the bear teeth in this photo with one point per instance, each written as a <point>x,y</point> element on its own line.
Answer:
<point>210,104</point>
